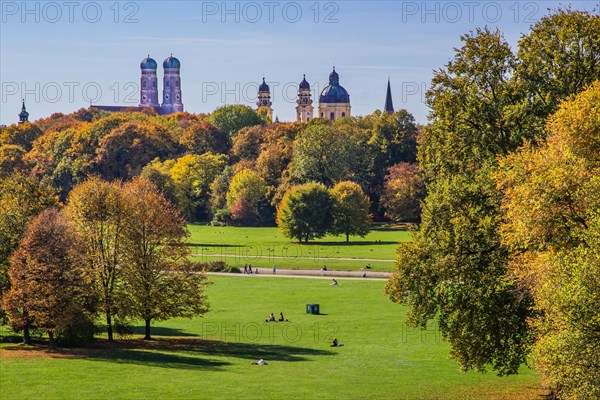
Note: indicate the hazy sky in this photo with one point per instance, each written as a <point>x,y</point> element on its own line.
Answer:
<point>61,55</point>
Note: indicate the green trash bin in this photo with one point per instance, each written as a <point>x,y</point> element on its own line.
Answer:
<point>312,309</point>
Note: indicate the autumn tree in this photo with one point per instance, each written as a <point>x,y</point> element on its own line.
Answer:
<point>158,281</point>
<point>127,149</point>
<point>193,174</point>
<point>22,197</point>
<point>403,192</point>
<point>247,197</point>
<point>551,225</point>
<point>350,210</point>
<point>49,287</point>
<point>305,212</point>
<point>202,137</point>
<point>97,211</point>
<point>247,141</point>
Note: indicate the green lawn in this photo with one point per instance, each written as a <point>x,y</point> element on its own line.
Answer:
<point>263,247</point>
<point>210,357</point>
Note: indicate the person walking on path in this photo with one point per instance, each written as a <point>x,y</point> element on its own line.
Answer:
<point>274,269</point>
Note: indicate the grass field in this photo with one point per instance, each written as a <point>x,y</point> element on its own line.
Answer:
<point>263,247</point>
<point>210,357</point>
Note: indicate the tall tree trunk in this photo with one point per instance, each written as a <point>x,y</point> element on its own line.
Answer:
<point>26,335</point>
<point>147,337</point>
<point>347,237</point>
<point>51,338</point>
<point>109,329</point>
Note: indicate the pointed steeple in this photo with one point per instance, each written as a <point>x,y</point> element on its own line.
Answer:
<point>389,106</point>
<point>23,115</point>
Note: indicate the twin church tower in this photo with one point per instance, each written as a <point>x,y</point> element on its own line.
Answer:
<point>171,100</point>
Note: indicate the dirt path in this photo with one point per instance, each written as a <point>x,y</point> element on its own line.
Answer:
<point>295,258</point>
<point>311,273</point>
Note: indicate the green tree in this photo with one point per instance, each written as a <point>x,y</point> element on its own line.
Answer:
<point>305,212</point>
<point>49,289</point>
<point>350,210</point>
<point>558,57</point>
<point>158,281</point>
<point>230,119</point>
<point>97,211</point>
<point>326,154</point>
<point>455,268</point>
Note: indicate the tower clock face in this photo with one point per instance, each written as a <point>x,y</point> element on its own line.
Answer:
<point>166,97</point>
<point>178,97</point>
<point>304,100</point>
<point>144,97</point>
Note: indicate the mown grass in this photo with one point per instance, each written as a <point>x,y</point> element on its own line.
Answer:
<point>210,357</point>
<point>263,247</point>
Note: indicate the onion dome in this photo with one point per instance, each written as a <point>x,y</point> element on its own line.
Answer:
<point>148,63</point>
<point>171,62</point>
<point>263,87</point>
<point>304,84</point>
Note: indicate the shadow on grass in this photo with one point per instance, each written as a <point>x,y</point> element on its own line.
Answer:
<point>213,245</point>
<point>351,243</point>
<point>177,353</point>
<point>162,331</point>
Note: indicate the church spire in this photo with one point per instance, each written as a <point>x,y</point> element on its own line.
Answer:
<point>23,115</point>
<point>389,106</point>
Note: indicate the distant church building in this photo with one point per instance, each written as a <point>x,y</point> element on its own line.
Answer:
<point>334,101</point>
<point>264,99</point>
<point>171,99</point>
<point>23,115</point>
<point>304,109</point>
<point>389,106</point>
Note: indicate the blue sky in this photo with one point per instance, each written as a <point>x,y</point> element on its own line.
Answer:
<point>60,55</point>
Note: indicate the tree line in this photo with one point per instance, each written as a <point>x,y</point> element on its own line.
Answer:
<point>229,167</point>
<point>115,249</point>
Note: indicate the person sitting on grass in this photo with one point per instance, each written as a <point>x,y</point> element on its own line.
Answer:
<point>336,344</point>
<point>271,318</point>
<point>281,319</point>
<point>333,283</point>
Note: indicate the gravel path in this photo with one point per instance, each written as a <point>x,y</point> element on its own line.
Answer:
<point>311,273</point>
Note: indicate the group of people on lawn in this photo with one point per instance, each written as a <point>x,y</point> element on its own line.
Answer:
<point>272,318</point>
